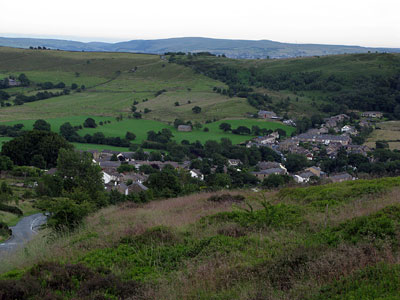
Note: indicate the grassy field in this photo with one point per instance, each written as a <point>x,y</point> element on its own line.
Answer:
<point>386,131</point>
<point>293,246</point>
<point>140,127</point>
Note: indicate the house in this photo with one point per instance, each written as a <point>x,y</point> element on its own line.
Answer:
<point>13,82</point>
<point>289,122</point>
<point>358,149</point>
<point>341,177</point>
<point>323,138</point>
<point>364,123</point>
<point>196,174</point>
<point>185,128</point>
<point>264,165</point>
<point>265,173</point>
<point>134,177</point>
<point>323,130</point>
<point>329,123</point>
<point>125,156</point>
<point>316,171</point>
<point>340,118</point>
<point>303,177</point>
<point>51,171</point>
<point>349,129</point>
<point>372,114</point>
<point>109,164</point>
<point>263,140</point>
<point>234,162</point>
<point>132,188</point>
<point>263,114</point>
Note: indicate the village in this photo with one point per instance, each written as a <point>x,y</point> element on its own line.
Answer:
<point>122,172</point>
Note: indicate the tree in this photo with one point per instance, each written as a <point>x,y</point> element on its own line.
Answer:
<point>69,132</point>
<point>38,161</point>
<point>296,162</point>
<point>155,156</point>
<point>137,115</point>
<point>146,110</point>
<point>165,183</point>
<point>176,103</point>
<point>396,111</point>
<point>4,95</point>
<point>24,80</point>
<point>22,149</point>
<point>281,132</point>
<point>90,123</point>
<point>225,127</point>
<point>80,175</point>
<point>65,213</point>
<point>74,86</point>
<point>196,109</point>
<point>130,136</point>
<point>41,125</point>
<point>178,122</point>
<point>6,163</point>
<point>381,144</point>
<point>133,108</point>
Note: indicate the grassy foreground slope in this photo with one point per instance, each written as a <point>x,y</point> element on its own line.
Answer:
<point>113,81</point>
<point>277,245</point>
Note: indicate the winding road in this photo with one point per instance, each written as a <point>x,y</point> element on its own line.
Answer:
<point>22,232</point>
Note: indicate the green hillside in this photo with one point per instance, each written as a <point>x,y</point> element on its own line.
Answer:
<point>112,86</point>
<point>305,86</point>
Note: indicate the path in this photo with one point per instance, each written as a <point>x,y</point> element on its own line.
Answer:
<point>22,232</point>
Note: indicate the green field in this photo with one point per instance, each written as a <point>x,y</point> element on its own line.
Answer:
<point>112,86</point>
<point>141,127</point>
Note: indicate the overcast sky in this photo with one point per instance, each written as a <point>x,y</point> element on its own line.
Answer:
<point>350,22</point>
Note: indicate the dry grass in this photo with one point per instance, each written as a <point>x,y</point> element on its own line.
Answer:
<point>106,227</point>
<point>361,207</point>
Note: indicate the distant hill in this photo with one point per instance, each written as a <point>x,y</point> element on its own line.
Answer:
<point>231,48</point>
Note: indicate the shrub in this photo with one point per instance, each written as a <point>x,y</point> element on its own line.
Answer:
<point>276,216</point>
<point>373,228</point>
<point>226,198</point>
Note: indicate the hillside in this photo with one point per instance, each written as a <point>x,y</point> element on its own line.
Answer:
<point>112,85</point>
<point>326,84</point>
<point>230,48</point>
<point>336,241</point>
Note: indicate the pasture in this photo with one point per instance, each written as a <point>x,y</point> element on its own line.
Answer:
<point>140,127</point>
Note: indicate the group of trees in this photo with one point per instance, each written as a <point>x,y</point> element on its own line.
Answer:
<point>35,147</point>
<point>20,99</point>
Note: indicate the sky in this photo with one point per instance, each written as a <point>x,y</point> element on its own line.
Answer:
<point>346,22</point>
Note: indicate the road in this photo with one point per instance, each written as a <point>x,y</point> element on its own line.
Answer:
<point>22,232</point>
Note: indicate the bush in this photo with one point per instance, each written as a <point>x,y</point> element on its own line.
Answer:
<point>226,198</point>
<point>373,228</point>
<point>48,280</point>
<point>276,216</point>
<point>375,282</point>
<point>90,123</point>
<point>11,209</point>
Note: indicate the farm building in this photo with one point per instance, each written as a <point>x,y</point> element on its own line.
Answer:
<point>185,128</point>
<point>263,114</point>
<point>372,114</point>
